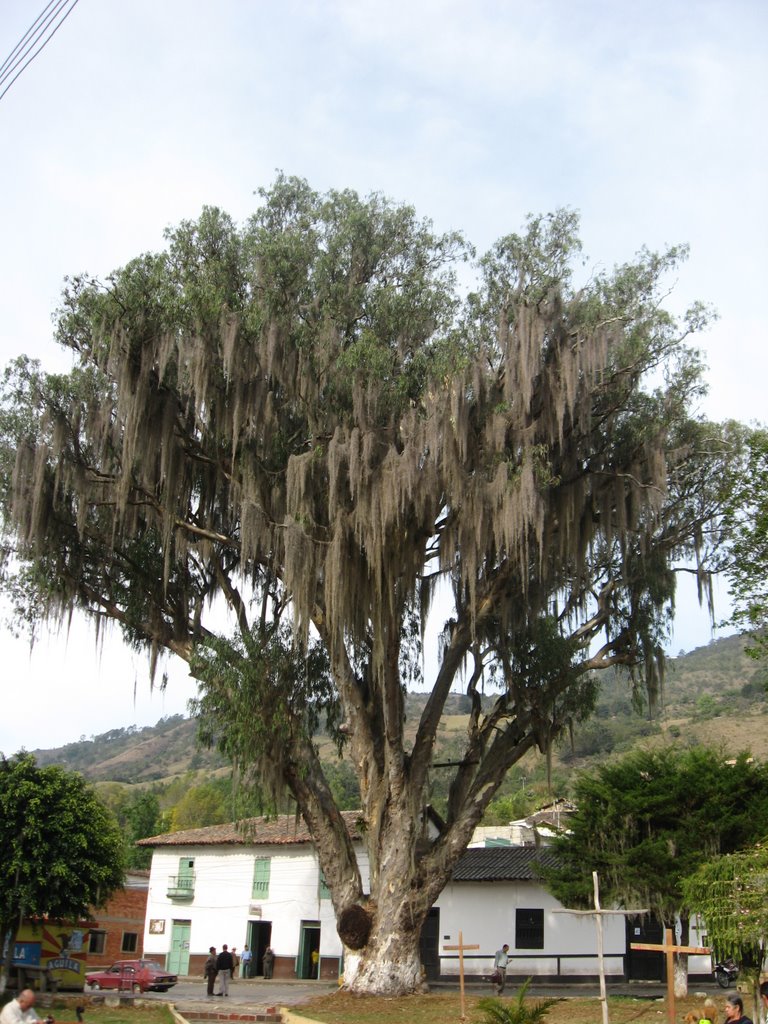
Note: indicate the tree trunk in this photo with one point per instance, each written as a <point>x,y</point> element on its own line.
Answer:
<point>681,975</point>
<point>388,965</point>
<point>8,930</point>
<point>382,935</point>
<point>681,960</point>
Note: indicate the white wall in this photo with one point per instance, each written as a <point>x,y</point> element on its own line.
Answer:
<point>485,913</point>
<point>222,903</point>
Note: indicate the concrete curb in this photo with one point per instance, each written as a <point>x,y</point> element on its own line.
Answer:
<point>268,1016</point>
<point>289,1017</point>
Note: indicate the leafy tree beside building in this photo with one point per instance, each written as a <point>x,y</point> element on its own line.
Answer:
<point>650,820</point>
<point>730,894</point>
<point>747,530</point>
<point>62,852</point>
<point>306,423</point>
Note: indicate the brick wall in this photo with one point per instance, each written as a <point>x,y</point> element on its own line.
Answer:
<point>124,913</point>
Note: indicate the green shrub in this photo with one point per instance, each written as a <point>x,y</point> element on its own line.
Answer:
<point>498,1012</point>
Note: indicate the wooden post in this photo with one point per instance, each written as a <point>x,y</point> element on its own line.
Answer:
<point>461,947</point>
<point>669,949</point>
<point>598,915</point>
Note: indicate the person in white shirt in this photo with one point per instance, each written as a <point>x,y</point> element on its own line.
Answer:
<point>245,962</point>
<point>500,962</point>
<point>21,1009</point>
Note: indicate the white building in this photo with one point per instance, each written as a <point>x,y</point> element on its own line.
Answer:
<point>259,883</point>
<point>495,897</point>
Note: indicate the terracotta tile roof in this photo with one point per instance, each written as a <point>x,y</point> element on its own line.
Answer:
<point>285,829</point>
<point>502,863</point>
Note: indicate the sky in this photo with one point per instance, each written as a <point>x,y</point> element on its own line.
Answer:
<point>646,117</point>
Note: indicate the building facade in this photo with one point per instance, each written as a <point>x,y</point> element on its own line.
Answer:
<point>260,884</point>
<point>118,932</point>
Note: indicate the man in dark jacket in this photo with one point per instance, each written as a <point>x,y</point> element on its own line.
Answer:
<point>209,970</point>
<point>225,964</point>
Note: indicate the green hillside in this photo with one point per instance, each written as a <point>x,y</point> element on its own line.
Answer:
<point>714,695</point>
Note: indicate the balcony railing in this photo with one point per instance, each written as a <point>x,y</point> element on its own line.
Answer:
<point>181,887</point>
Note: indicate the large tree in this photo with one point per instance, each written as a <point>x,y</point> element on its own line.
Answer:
<point>746,524</point>
<point>62,852</point>
<point>648,821</point>
<point>730,894</point>
<point>302,423</point>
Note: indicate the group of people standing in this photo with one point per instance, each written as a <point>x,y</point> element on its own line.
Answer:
<point>224,966</point>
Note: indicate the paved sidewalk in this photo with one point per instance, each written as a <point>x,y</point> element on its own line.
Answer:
<point>189,994</point>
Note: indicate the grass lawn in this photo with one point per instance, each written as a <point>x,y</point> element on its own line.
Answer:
<point>64,1013</point>
<point>342,1008</point>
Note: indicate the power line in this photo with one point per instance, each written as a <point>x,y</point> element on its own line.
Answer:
<point>42,24</point>
<point>35,39</point>
<point>4,67</point>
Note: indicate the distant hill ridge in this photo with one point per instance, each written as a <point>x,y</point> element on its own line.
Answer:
<point>704,689</point>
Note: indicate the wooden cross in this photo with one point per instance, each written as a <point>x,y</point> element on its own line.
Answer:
<point>461,947</point>
<point>598,915</point>
<point>669,948</point>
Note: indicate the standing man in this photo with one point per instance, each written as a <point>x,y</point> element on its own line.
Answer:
<point>209,970</point>
<point>20,1010</point>
<point>500,962</point>
<point>225,964</point>
<point>245,962</point>
<point>269,962</point>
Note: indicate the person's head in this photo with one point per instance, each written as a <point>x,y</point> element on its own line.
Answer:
<point>764,993</point>
<point>734,1007</point>
<point>212,949</point>
<point>224,946</point>
<point>505,947</point>
<point>26,998</point>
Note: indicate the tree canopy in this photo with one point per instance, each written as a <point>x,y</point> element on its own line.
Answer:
<point>62,852</point>
<point>746,523</point>
<point>648,821</point>
<point>306,425</point>
<point>729,893</point>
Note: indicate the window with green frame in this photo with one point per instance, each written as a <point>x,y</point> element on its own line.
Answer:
<point>260,889</point>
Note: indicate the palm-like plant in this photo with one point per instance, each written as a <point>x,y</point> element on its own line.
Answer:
<point>497,1012</point>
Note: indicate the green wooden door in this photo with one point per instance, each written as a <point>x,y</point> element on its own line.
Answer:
<point>178,957</point>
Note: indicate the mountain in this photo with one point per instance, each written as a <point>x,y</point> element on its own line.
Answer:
<point>132,755</point>
<point>705,690</point>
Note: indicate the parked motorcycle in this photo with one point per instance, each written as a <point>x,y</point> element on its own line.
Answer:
<point>726,972</point>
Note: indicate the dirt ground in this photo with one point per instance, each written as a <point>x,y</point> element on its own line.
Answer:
<point>342,1008</point>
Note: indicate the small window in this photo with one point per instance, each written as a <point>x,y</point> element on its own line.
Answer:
<point>97,941</point>
<point>130,942</point>
<point>261,868</point>
<point>529,929</point>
